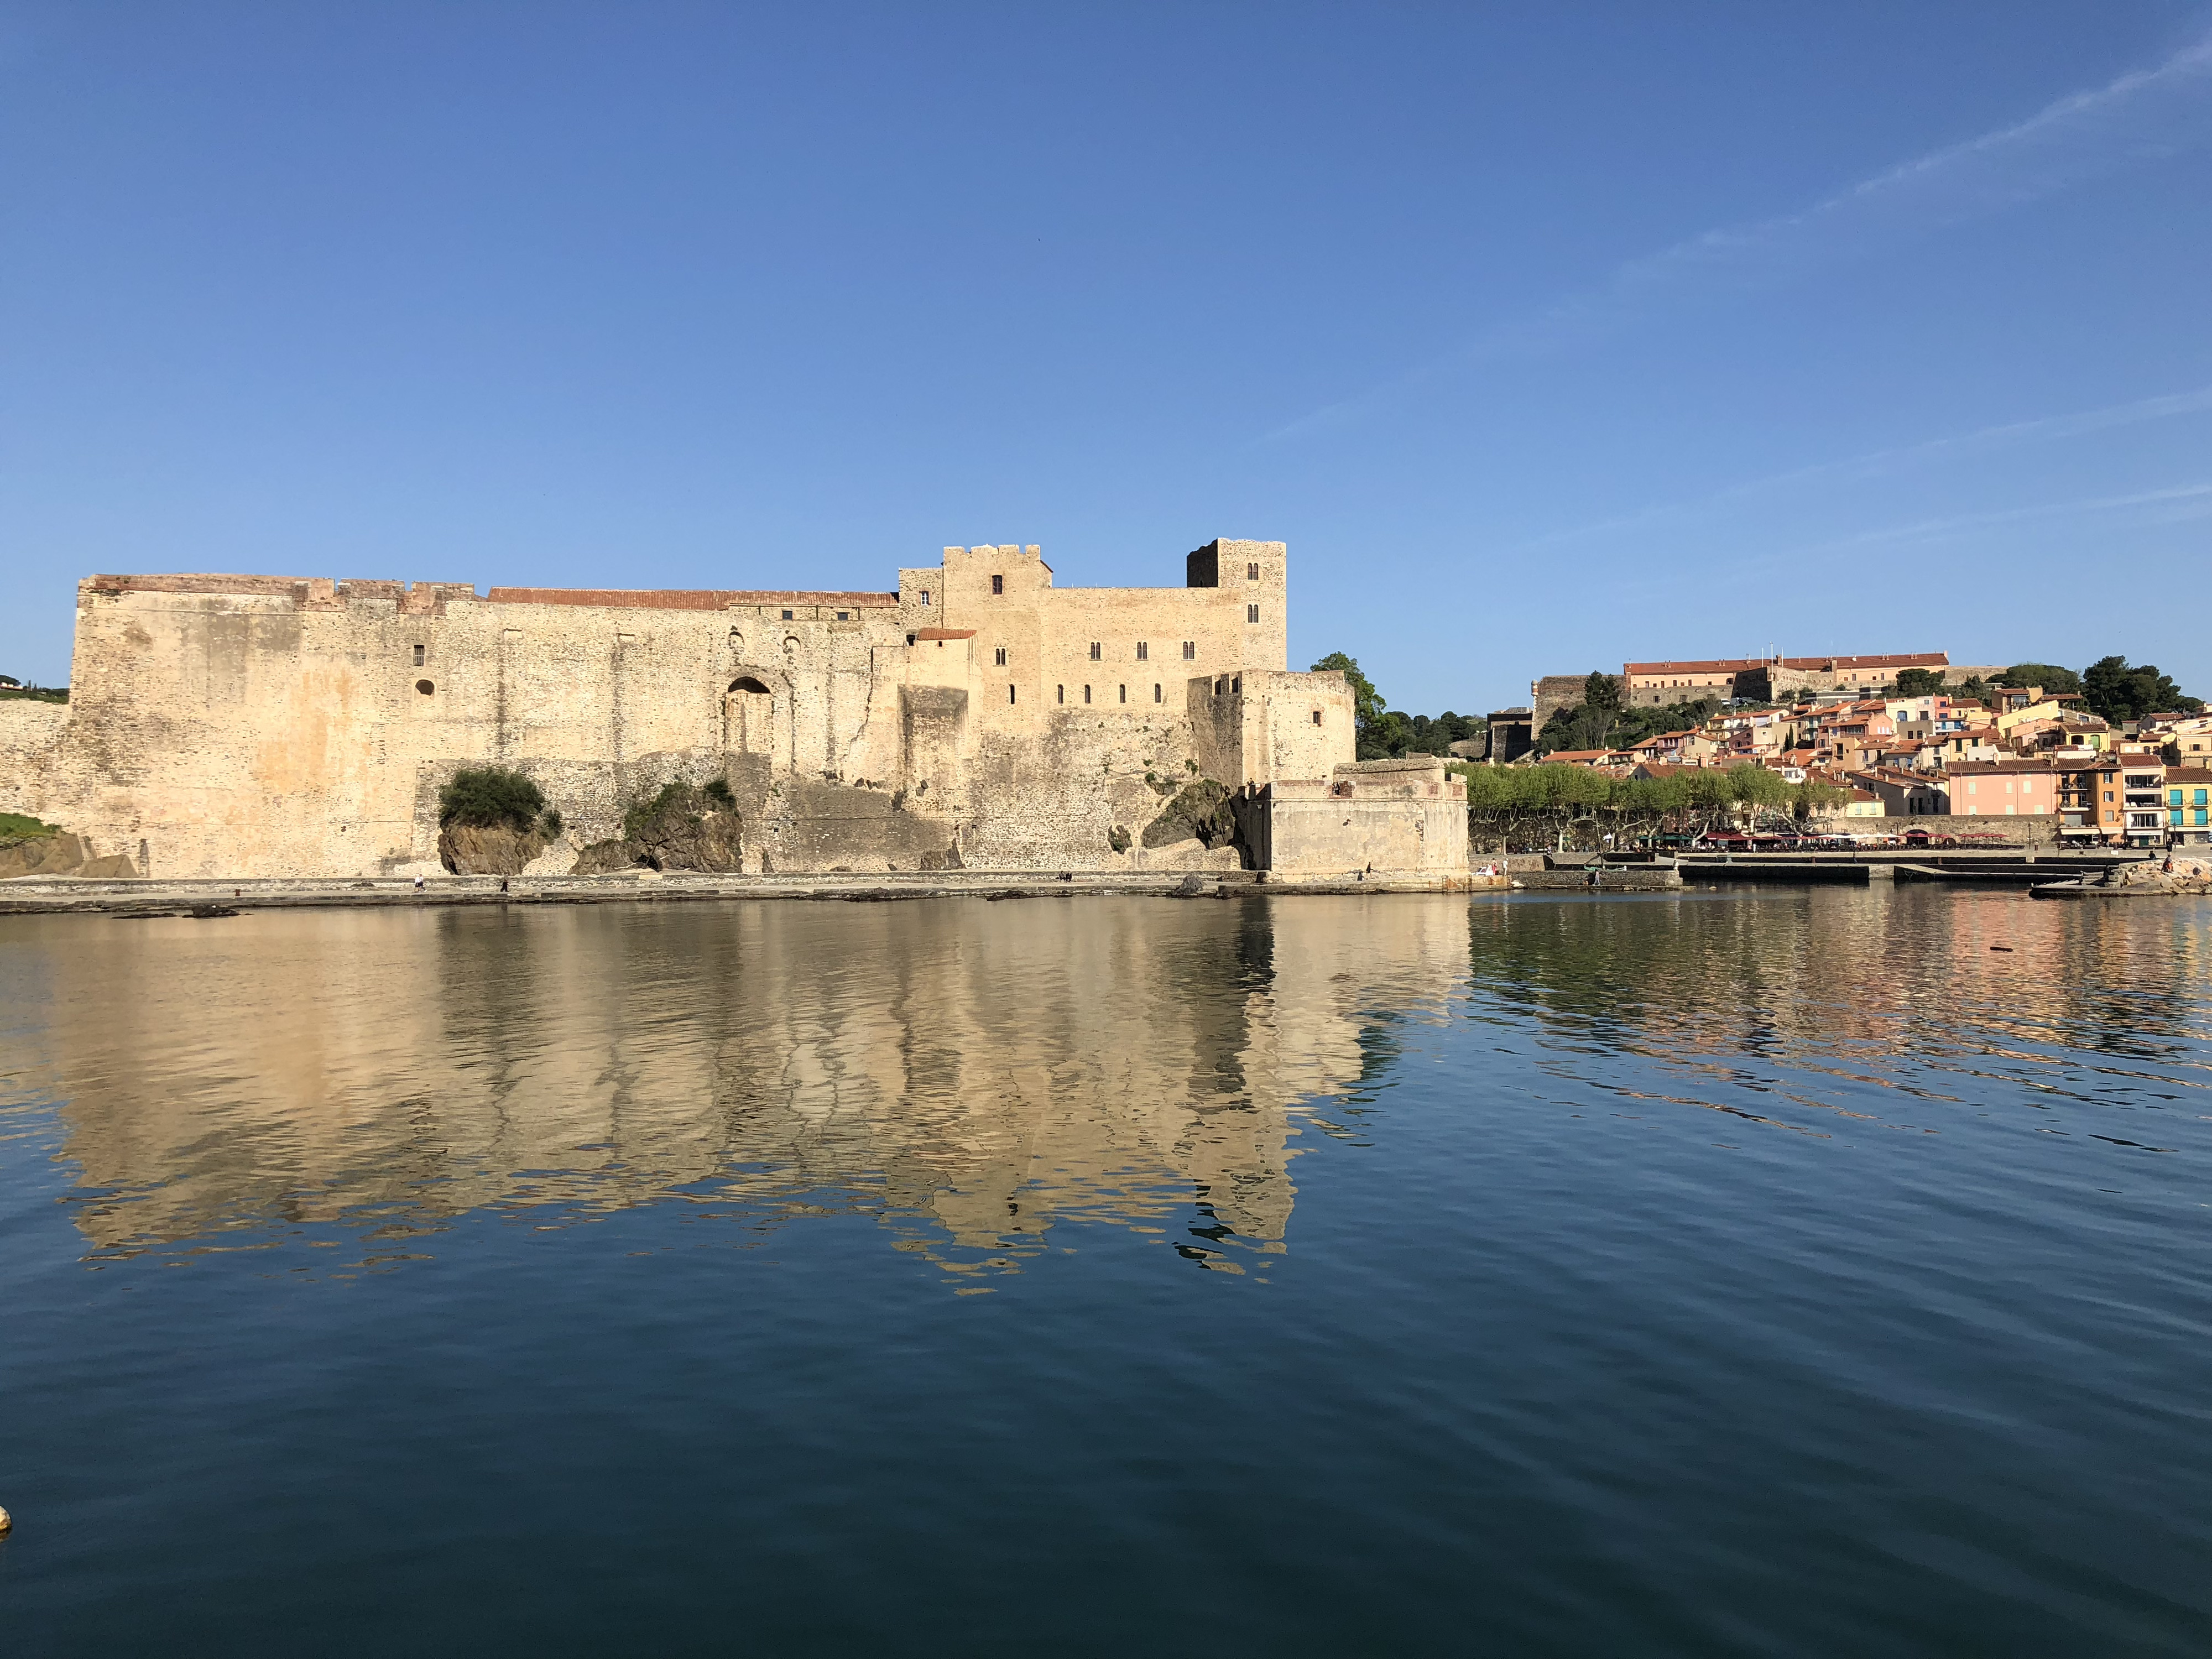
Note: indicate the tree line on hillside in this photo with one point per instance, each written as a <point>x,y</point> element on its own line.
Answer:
<point>1603,719</point>
<point>2110,688</point>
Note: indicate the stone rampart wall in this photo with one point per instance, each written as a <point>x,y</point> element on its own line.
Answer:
<point>281,726</point>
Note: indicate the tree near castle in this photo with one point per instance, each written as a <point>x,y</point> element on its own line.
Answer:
<point>1380,733</point>
<point>2056,681</point>
<point>2116,692</point>
<point>1377,733</point>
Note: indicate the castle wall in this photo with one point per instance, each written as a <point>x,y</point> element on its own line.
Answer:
<point>1397,816</point>
<point>275,727</point>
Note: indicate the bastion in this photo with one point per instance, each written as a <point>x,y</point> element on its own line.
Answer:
<point>977,717</point>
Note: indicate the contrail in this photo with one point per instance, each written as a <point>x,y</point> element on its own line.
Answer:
<point>2140,115</point>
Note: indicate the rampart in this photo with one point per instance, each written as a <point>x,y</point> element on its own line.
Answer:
<point>976,716</point>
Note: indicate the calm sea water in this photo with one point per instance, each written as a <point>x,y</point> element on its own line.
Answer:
<point>1784,1274</point>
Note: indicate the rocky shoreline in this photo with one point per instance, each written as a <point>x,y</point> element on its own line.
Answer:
<point>2190,877</point>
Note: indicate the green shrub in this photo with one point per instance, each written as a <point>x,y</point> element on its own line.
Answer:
<point>16,826</point>
<point>718,790</point>
<point>549,824</point>
<point>488,797</point>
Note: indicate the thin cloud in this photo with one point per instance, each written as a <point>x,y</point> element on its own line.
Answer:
<point>2176,504</point>
<point>2180,502</point>
<point>2142,115</point>
<point>1879,463</point>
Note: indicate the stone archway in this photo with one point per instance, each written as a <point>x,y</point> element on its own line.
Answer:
<point>751,716</point>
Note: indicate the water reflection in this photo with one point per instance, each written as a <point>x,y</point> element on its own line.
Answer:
<point>973,1073</point>
<point>1790,1008</point>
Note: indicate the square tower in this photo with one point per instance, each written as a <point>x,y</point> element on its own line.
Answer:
<point>1257,574</point>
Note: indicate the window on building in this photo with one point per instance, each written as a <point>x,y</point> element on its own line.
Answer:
<point>1009,693</point>
<point>1001,656</point>
<point>418,656</point>
<point>1251,613</point>
<point>925,596</point>
<point>1156,693</point>
<point>1094,651</point>
<point>424,687</point>
<point>844,615</point>
<point>1316,717</point>
<point>1086,694</point>
<point>1059,694</point>
<point>1125,693</point>
<point>1144,650</point>
<point>1236,686</point>
<point>787,616</point>
<point>1251,572</point>
<point>998,583</point>
<point>1190,650</point>
<point>909,639</point>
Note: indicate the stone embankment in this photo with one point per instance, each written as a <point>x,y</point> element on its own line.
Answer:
<point>68,894</point>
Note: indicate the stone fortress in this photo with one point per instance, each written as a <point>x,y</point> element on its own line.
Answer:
<point>977,718</point>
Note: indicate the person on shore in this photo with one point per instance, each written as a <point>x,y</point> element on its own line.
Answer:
<point>418,884</point>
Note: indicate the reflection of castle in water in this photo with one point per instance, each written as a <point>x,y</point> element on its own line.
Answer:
<point>990,1069</point>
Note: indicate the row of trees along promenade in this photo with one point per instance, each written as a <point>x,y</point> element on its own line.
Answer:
<point>1518,806</point>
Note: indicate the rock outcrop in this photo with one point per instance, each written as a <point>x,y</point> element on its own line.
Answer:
<point>684,828</point>
<point>494,850</point>
<point>605,858</point>
<point>2188,875</point>
<point>1202,810</point>
<point>59,854</point>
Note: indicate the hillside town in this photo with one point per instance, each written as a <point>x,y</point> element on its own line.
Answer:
<point>1905,736</point>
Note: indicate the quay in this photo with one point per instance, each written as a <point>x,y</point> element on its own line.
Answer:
<point>210,897</point>
<point>1635,872</point>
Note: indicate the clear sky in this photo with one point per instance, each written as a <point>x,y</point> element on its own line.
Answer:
<point>1546,335</point>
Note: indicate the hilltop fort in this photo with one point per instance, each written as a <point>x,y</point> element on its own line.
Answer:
<point>977,717</point>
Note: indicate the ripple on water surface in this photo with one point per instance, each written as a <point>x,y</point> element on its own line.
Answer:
<point>1682,1275</point>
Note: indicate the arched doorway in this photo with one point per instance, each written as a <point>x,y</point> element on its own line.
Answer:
<point>749,713</point>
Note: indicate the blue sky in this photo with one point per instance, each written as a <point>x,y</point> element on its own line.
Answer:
<point>1546,335</point>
